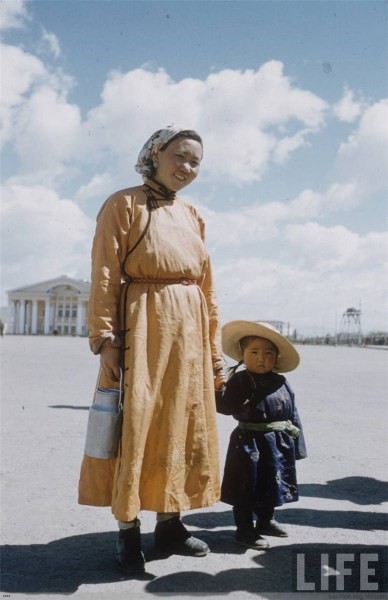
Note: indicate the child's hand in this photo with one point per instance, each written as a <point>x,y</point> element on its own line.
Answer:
<point>219,380</point>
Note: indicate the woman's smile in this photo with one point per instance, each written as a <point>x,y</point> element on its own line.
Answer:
<point>178,165</point>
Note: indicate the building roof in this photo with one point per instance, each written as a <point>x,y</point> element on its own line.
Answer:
<point>45,287</point>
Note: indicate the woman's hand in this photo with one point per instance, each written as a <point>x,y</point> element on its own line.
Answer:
<point>219,380</point>
<point>110,362</point>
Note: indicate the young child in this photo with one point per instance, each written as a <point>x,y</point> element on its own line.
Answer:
<point>260,463</point>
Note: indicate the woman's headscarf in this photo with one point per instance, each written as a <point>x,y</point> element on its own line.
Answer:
<point>144,164</point>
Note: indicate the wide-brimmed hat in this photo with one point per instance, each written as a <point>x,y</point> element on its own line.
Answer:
<point>234,331</point>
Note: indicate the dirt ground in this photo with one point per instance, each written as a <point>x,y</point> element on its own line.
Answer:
<point>54,548</point>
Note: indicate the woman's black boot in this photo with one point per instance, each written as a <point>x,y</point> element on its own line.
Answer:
<point>129,555</point>
<point>171,536</point>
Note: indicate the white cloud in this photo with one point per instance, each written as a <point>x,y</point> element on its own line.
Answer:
<point>51,43</point>
<point>247,119</point>
<point>306,205</point>
<point>43,236</point>
<point>37,120</point>
<point>331,248</point>
<point>373,127</point>
<point>244,226</point>
<point>100,186</point>
<point>342,196</point>
<point>363,158</point>
<point>348,109</point>
<point>265,97</point>
<point>260,222</point>
<point>13,14</point>
<point>302,272</point>
<point>46,130</point>
<point>20,71</point>
<point>337,197</point>
<point>306,295</point>
<point>289,144</point>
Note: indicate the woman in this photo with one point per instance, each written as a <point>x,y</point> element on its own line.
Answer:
<point>153,310</point>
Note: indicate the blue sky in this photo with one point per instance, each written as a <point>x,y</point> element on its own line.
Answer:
<point>291,100</point>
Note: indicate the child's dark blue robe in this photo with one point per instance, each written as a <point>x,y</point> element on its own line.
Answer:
<point>260,466</point>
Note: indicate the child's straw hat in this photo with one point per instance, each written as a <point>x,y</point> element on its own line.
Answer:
<point>234,331</point>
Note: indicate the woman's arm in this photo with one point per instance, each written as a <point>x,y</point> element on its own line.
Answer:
<point>108,250</point>
<point>208,290</point>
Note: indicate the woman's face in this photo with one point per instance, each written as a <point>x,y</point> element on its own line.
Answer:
<point>178,165</point>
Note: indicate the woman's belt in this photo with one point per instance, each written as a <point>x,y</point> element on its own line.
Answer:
<point>274,426</point>
<point>166,281</point>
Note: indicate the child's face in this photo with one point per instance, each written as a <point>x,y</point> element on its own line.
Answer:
<point>259,355</point>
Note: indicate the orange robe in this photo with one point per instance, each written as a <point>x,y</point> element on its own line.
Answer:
<point>168,457</point>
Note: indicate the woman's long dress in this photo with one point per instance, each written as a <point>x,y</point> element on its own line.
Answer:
<point>168,458</point>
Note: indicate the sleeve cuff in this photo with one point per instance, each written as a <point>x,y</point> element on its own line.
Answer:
<point>96,343</point>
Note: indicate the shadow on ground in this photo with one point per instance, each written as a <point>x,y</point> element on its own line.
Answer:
<point>307,517</point>
<point>360,490</point>
<point>275,571</point>
<point>62,566</point>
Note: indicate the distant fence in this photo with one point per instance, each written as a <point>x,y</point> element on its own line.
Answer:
<point>342,339</point>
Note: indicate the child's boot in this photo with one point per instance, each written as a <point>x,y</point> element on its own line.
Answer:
<point>266,524</point>
<point>271,527</point>
<point>246,534</point>
<point>129,555</point>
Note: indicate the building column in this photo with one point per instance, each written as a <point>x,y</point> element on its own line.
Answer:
<point>13,317</point>
<point>47,316</point>
<point>22,316</point>
<point>28,323</point>
<point>80,316</point>
<point>34,320</point>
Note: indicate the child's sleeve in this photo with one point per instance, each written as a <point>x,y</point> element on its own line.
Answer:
<point>228,400</point>
<point>300,443</point>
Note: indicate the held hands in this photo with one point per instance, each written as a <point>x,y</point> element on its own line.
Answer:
<point>219,380</point>
<point>110,362</point>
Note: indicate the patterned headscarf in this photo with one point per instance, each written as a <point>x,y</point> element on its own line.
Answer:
<point>144,164</point>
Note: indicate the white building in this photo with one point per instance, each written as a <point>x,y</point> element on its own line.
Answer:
<point>58,306</point>
<point>282,327</point>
